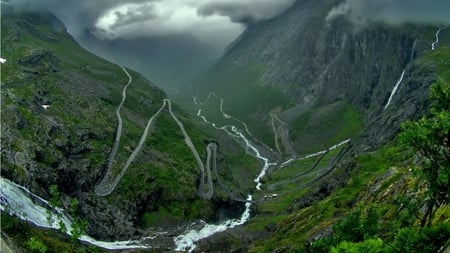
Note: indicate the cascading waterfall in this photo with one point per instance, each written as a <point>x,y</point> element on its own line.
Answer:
<point>394,90</point>
<point>436,42</point>
<point>188,240</point>
<point>19,201</point>
<point>399,81</point>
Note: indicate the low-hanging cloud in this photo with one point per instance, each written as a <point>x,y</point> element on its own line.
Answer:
<point>245,11</point>
<point>393,12</point>
<point>215,22</point>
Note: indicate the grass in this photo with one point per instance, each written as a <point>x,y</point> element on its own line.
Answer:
<point>54,241</point>
<point>439,58</point>
<point>84,93</point>
<point>245,96</point>
<point>300,225</point>
<point>325,127</point>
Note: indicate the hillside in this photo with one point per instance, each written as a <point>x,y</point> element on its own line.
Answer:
<point>307,70</point>
<point>364,201</point>
<point>60,123</point>
<point>288,144</point>
<point>301,84</point>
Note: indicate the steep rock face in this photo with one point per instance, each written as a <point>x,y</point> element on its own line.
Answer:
<point>316,62</point>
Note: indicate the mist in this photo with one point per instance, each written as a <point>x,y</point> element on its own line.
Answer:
<point>214,22</point>
<point>395,12</point>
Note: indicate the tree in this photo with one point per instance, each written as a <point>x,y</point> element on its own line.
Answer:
<point>36,245</point>
<point>368,246</point>
<point>430,136</point>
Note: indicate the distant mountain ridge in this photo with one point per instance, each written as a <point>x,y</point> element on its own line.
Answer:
<point>169,60</point>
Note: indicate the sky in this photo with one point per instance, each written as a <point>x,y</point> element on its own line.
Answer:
<point>218,22</point>
<point>395,12</point>
<point>214,22</point>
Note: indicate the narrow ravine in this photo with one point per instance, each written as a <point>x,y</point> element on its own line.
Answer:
<point>19,201</point>
<point>187,242</point>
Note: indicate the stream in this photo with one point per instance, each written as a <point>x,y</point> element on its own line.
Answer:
<point>19,201</point>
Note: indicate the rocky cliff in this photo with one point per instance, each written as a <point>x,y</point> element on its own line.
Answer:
<point>314,63</point>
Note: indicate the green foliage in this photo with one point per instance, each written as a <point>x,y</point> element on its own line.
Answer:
<point>431,137</point>
<point>79,225</point>
<point>429,239</point>
<point>32,238</point>
<point>84,91</point>
<point>10,223</point>
<point>36,246</point>
<point>326,125</point>
<point>55,201</point>
<point>358,226</point>
<point>74,206</point>
<point>62,226</point>
<point>367,246</point>
<point>244,95</point>
<point>78,228</point>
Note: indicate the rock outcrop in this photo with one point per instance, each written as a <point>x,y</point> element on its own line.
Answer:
<point>315,62</point>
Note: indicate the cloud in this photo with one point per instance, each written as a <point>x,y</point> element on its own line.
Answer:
<point>393,11</point>
<point>245,11</point>
<point>215,22</point>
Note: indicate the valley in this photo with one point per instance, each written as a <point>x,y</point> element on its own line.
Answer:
<point>309,134</point>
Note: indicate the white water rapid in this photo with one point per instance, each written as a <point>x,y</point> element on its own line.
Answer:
<point>187,241</point>
<point>19,201</point>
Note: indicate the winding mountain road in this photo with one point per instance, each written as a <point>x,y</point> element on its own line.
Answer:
<point>275,132</point>
<point>282,132</point>
<point>109,182</point>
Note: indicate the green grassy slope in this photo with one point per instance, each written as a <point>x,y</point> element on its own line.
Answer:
<point>381,180</point>
<point>68,143</point>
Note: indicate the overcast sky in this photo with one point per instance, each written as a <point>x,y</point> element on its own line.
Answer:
<point>215,22</point>
<point>218,22</point>
<point>394,12</point>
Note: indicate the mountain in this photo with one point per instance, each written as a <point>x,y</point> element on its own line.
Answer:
<point>304,108</point>
<point>60,126</point>
<point>303,84</point>
<point>169,60</point>
<point>310,70</point>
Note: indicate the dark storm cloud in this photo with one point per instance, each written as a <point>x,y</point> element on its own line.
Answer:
<point>76,14</point>
<point>394,11</point>
<point>133,16</point>
<point>216,22</point>
<point>245,11</point>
